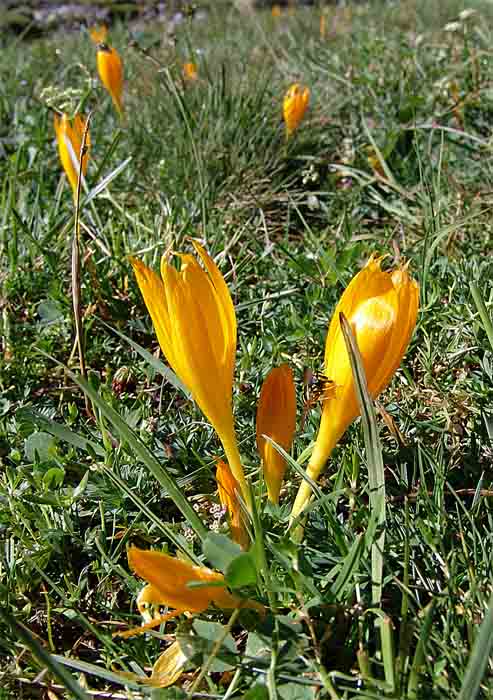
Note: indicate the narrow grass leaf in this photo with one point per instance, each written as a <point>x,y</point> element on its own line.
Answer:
<point>93,670</point>
<point>106,181</point>
<point>479,658</point>
<point>419,655</point>
<point>179,542</point>
<point>482,311</point>
<point>373,447</point>
<point>349,567</point>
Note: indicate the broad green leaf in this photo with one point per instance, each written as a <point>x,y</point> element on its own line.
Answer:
<point>241,571</point>
<point>220,551</point>
<point>41,445</point>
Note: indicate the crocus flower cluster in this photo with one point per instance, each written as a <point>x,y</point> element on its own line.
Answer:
<point>69,133</point>
<point>195,323</point>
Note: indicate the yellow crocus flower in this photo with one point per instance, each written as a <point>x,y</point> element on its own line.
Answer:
<point>382,308</point>
<point>110,67</point>
<point>228,495</point>
<point>169,584</point>
<point>69,138</point>
<point>190,71</point>
<point>194,319</point>
<point>295,105</point>
<point>276,418</point>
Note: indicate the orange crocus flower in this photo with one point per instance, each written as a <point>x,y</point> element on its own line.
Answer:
<point>69,138</point>
<point>382,308</point>
<point>295,104</point>
<point>110,66</point>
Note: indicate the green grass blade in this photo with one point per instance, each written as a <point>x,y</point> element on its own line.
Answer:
<point>46,659</point>
<point>349,567</point>
<point>92,670</point>
<point>419,655</point>
<point>373,446</point>
<point>482,311</point>
<point>479,657</point>
<point>106,181</point>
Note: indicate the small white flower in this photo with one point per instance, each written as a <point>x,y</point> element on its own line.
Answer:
<point>452,27</point>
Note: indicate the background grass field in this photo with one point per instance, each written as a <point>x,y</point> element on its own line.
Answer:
<point>394,156</point>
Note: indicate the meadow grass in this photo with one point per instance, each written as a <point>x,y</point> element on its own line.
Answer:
<point>393,156</point>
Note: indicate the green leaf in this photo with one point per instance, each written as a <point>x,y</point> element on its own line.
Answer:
<point>241,571</point>
<point>257,646</point>
<point>296,691</point>
<point>168,694</point>
<point>59,431</point>
<point>204,642</point>
<point>40,446</point>
<point>220,551</point>
<point>49,312</point>
<point>257,692</point>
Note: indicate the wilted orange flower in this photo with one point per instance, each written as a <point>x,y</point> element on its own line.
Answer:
<point>382,308</point>
<point>195,323</point>
<point>228,495</point>
<point>110,66</point>
<point>69,139</point>
<point>190,71</point>
<point>276,418</point>
<point>166,671</point>
<point>276,11</point>
<point>169,584</point>
<point>295,104</point>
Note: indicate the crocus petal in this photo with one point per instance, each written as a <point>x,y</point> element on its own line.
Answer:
<point>295,104</point>
<point>170,578</point>
<point>276,418</point>
<point>228,495</point>
<point>110,69</point>
<point>195,322</point>
<point>382,310</point>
